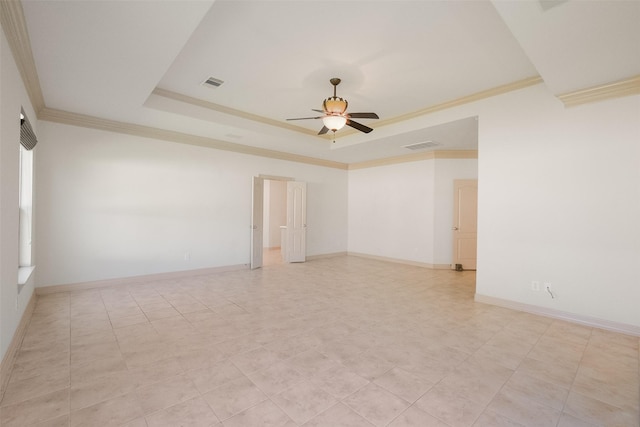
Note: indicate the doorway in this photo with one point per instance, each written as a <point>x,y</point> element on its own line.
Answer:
<point>274,220</point>
<point>292,240</point>
<point>465,224</point>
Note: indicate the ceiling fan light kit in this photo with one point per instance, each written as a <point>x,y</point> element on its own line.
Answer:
<point>334,122</point>
<point>335,116</point>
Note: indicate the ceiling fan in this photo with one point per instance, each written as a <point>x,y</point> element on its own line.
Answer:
<point>335,116</point>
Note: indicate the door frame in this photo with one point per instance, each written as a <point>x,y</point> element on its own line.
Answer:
<point>258,204</point>
<point>458,235</point>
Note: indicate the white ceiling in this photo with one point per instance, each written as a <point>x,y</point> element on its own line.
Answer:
<point>105,58</point>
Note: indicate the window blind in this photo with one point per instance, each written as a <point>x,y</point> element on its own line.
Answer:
<point>27,138</point>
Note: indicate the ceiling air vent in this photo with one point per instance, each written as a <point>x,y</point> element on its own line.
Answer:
<point>212,82</point>
<point>421,145</point>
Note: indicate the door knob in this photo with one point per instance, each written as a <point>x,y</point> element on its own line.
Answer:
<point>454,228</point>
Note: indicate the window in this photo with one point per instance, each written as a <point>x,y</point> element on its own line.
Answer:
<point>28,141</point>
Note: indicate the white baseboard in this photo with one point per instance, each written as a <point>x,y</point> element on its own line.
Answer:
<point>6,365</point>
<point>136,279</point>
<point>402,261</point>
<point>593,322</point>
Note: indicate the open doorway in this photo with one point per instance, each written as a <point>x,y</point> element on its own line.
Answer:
<point>274,220</point>
<point>293,241</point>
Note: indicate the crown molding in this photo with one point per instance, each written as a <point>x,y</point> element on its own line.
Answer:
<point>478,96</point>
<point>620,88</point>
<point>414,157</point>
<point>231,111</point>
<point>81,120</point>
<point>520,84</point>
<point>15,29</point>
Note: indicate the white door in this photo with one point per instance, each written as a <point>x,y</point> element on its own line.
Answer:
<point>256,222</point>
<point>296,221</point>
<point>465,223</point>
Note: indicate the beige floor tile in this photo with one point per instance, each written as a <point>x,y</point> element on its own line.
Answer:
<point>138,422</point>
<point>194,413</point>
<point>491,419</point>
<point>569,332</point>
<point>43,350</point>
<point>558,373</point>
<point>543,392</point>
<point>304,401</point>
<point>22,390</point>
<point>339,381</point>
<point>61,421</point>
<point>312,362</point>
<point>520,408</point>
<point>404,384</point>
<point>369,365</point>
<point>290,346</point>
<point>119,322</point>
<point>598,412</point>
<point>95,338</point>
<point>23,370</point>
<point>86,372</point>
<point>276,378</point>
<point>264,414</point>
<point>200,357</point>
<point>338,415</point>
<point>84,353</point>
<point>339,323</point>
<point>555,349</point>
<point>376,404</point>
<point>622,393</point>
<point>161,313</point>
<point>570,421</point>
<point>37,409</point>
<point>129,311</point>
<point>450,407</point>
<point>234,397</point>
<point>112,412</point>
<point>414,417</point>
<point>147,354</point>
<point>166,393</point>
<point>100,389</point>
<point>214,375</point>
<point>255,360</point>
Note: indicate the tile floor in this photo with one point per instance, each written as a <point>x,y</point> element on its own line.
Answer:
<point>344,341</point>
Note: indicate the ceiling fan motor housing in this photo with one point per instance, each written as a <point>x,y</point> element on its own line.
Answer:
<point>335,105</point>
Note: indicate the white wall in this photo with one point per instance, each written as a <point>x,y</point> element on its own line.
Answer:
<point>391,211</point>
<point>13,96</point>
<point>405,211</point>
<point>112,205</point>
<point>559,201</point>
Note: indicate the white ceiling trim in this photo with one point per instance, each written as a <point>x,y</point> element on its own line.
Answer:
<point>15,29</point>
<point>427,155</point>
<point>617,89</point>
<point>81,120</point>
<point>227,110</point>
<point>520,84</point>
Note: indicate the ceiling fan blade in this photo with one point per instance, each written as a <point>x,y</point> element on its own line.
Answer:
<point>306,118</point>
<point>317,111</point>
<point>363,115</point>
<point>359,126</point>
<point>323,130</point>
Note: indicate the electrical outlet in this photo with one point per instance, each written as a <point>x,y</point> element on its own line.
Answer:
<point>535,285</point>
